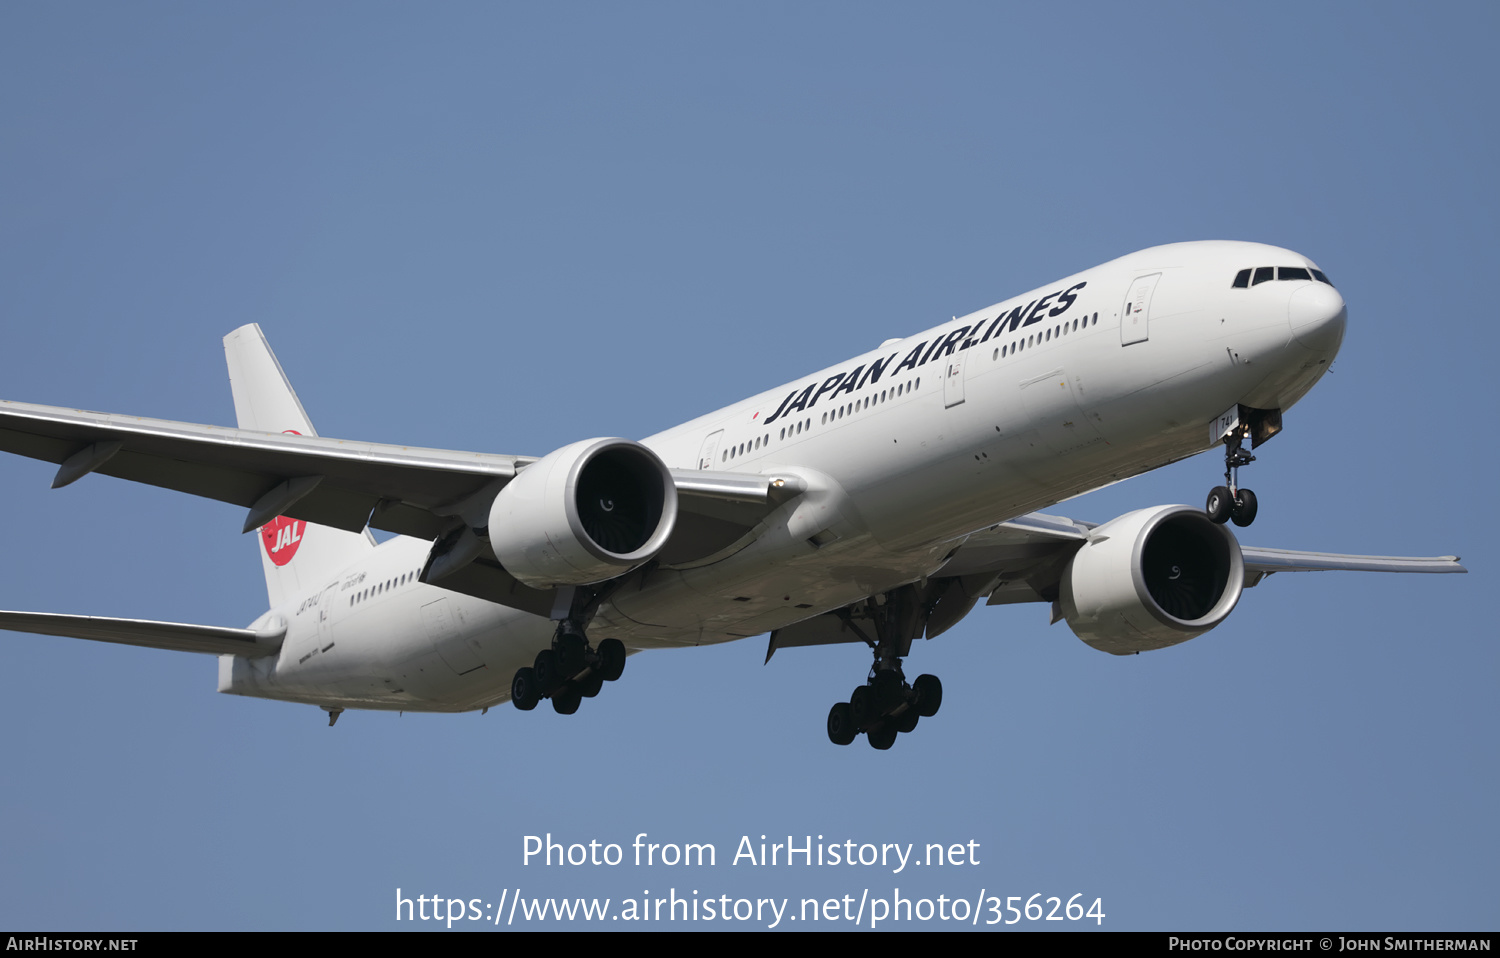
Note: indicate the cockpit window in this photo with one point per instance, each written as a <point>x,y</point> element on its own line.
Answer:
<point>1264,274</point>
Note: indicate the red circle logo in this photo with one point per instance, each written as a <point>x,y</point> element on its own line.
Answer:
<point>281,537</point>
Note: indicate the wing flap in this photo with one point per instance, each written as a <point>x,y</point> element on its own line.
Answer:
<point>830,628</point>
<point>175,636</point>
<point>484,578</point>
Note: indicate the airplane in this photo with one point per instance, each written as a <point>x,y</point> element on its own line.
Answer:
<point>872,502</point>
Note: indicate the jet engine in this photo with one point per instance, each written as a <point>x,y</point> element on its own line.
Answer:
<point>588,512</point>
<point>1152,578</point>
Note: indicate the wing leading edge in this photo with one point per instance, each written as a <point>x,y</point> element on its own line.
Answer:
<point>1261,562</point>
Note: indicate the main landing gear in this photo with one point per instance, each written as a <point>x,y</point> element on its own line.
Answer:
<point>568,672</point>
<point>1229,502</point>
<point>886,705</point>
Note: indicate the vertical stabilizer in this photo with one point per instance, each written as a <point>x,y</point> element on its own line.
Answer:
<point>297,556</point>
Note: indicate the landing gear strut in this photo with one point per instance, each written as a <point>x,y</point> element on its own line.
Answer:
<point>886,705</point>
<point>1230,502</point>
<point>569,671</point>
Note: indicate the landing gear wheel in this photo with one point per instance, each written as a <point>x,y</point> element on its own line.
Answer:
<point>862,707</point>
<point>1220,505</point>
<point>611,659</point>
<point>548,671</point>
<point>883,737</point>
<point>1244,508</point>
<point>524,692</point>
<point>929,695</point>
<point>571,652</point>
<point>887,688</point>
<point>566,699</point>
<point>589,687</point>
<point>906,721</point>
<point>841,730</point>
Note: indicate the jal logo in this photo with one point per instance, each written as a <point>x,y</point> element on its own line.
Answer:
<point>282,536</point>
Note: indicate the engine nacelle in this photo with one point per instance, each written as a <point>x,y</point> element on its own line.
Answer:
<point>1152,578</point>
<point>588,512</point>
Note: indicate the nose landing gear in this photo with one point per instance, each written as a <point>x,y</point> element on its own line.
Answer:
<point>1229,502</point>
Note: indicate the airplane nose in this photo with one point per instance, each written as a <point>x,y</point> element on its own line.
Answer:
<point>1317,315</point>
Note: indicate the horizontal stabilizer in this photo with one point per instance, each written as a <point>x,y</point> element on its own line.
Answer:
<point>176,636</point>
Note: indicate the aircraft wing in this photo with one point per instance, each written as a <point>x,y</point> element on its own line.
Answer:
<point>177,636</point>
<point>1022,560</point>
<point>1261,562</point>
<point>333,482</point>
<point>340,483</point>
<point>1034,548</point>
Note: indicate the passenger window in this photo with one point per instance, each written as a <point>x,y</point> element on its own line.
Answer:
<point>1242,279</point>
<point>1263,275</point>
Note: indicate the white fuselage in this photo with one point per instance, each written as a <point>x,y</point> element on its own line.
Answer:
<point>904,451</point>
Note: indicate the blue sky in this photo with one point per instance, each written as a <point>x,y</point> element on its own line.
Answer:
<point>508,227</point>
